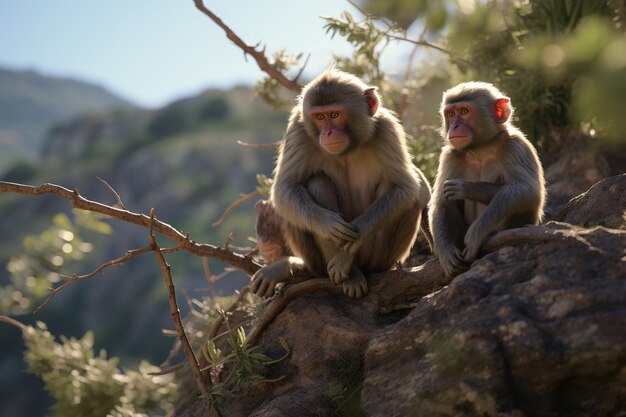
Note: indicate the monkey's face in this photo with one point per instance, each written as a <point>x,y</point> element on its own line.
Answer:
<point>473,122</point>
<point>330,121</point>
<point>458,120</point>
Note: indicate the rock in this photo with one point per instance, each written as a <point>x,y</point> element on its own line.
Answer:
<point>572,165</point>
<point>534,328</point>
<point>602,205</point>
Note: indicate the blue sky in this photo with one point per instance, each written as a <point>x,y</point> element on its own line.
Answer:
<point>155,51</point>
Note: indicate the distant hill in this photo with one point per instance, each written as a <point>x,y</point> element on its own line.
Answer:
<point>31,103</point>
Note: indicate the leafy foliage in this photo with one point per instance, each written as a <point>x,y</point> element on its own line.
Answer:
<point>268,89</point>
<point>84,384</point>
<point>561,61</point>
<point>33,272</point>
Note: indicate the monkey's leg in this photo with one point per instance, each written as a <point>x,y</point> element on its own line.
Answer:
<point>353,281</point>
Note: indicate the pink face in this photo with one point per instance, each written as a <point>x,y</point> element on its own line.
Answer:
<point>331,121</point>
<point>459,119</point>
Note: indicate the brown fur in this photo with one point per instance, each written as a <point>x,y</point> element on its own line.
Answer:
<point>346,214</point>
<point>494,183</point>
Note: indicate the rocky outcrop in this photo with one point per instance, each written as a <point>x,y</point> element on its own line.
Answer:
<point>534,328</point>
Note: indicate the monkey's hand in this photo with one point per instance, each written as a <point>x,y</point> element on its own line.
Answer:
<point>474,238</point>
<point>265,279</point>
<point>451,260</point>
<point>455,190</point>
<point>340,231</point>
<point>339,266</point>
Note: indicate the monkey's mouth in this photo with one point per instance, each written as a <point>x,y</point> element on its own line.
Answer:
<point>335,147</point>
<point>460,141</point>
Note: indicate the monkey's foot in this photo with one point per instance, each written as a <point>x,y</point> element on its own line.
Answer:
<point>339,267</point>
<point>356,284</point>
<point>265,279</point>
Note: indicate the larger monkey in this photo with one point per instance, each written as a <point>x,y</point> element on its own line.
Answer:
<point>489,176</point>
<point>345,185</point>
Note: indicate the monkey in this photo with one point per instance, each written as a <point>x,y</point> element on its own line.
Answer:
<point>345,184</point>
<point>268,227</point>
<point>489,176</point>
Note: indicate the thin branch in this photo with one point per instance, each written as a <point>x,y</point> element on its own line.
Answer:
<point>234,259</point>
<point>119,199</point>
<point>169,370</point>
<point>14,322</point>
<point>220,320</point>
<point>258,56</point>
<point>274,145</point>
<point>242,199</point>
<point>403,104</point>
<point>422,42</point>
<point>75,278</point>
<point>175,312</point>
<point>289,293</point>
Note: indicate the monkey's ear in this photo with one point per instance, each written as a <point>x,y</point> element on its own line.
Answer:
<point>503,110</point>
<point>372,100</point>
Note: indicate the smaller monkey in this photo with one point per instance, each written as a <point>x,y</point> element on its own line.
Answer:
<point>489,176</point>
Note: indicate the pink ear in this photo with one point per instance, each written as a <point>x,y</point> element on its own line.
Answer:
<point>503,110</point>
<point>372,100</point>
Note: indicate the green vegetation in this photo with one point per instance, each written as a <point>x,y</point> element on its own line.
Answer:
<point>85,384</point>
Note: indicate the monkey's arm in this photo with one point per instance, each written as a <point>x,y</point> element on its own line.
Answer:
<point>388,208</point>
<point>447,226</point>
<point>523,192</point>
<point>480,191</point>
<point>291,198</point>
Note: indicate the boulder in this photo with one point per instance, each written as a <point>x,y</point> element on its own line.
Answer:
<point>536,327</point>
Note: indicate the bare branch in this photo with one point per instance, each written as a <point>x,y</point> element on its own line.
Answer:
<point>237,260</point>
<point>168,370</point>
<point>259,56</point>
<point>290,292</point>
<point>243,198</point>
<point>422,42</point>
<point>403,104</point>
<point>274,145</point>
<point>175,312</point>
<point>75,278</point>
<point>14,322</point>
<point>119,199</point>
<point>220,320</point>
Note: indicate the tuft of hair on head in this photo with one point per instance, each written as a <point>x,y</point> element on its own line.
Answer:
<point>473,90</point>
<point>333,86</point>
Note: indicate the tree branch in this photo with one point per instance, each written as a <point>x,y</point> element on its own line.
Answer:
<point>258,56</point>
<point>242,199</point>
<point>175,312</point>
<point>75,278</point>
<point>234,259</point>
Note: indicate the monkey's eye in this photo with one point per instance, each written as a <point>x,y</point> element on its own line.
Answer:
<point>450,113</point>
<point>319,116</point>
<point>463,111</point>
<point>334,114</point>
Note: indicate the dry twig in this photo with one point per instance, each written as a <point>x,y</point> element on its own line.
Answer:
<point>75,278</point>
<point>119,199</point>
<point>242,199</point>
<point>259,56</point>
<point>274,145</point>
<point>175,312</point>
<point>237,260</point>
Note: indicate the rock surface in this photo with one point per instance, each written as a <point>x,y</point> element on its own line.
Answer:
<point>532,329</point>
<point>536,327</point>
